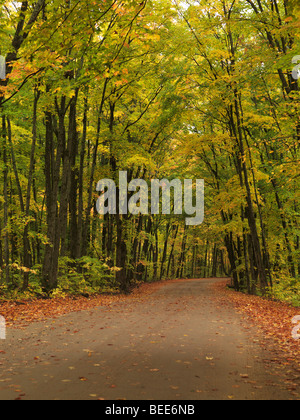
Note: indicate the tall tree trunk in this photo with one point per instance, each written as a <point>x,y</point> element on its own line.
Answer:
<point>52,173</point>
<point>181,262</point>
<point>80,222</point>
<point>26,244</point>
<point>238,131</point>
<point>176,230</point>
<point>165,251</point>
<point>5,204</point>
<point>72,173</point>
<point>86,226</point>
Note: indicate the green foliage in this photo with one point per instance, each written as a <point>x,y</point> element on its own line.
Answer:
<point>287,290</point>
<point>161,89</point>
<point>84,276</point>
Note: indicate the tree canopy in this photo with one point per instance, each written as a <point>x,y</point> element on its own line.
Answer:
<point>163,90</point>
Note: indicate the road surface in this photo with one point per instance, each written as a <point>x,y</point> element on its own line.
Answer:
<point>176,344</point>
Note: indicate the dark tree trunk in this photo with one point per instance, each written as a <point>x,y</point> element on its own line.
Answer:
<point>52,174</point>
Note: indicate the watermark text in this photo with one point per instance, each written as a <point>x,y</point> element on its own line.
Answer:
<point>160,197</point>
<point>296,329</point>
<point>296,69</point>
<point>2,328</point>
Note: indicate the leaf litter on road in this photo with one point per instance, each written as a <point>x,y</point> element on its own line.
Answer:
<point>273,321</point>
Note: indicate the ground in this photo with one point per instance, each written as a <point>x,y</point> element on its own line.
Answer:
<point>178,340</point>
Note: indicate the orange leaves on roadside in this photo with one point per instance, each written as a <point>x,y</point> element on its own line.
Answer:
<point>21,313</point>
<point>272,318</point>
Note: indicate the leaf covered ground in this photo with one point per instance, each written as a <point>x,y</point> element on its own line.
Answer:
<point>18,314</point>
<point>182,339</point>
<point>274,320</point>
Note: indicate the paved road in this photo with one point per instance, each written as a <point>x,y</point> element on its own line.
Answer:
<point>176,344</point>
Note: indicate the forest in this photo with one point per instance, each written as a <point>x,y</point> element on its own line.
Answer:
<point>166,89</point>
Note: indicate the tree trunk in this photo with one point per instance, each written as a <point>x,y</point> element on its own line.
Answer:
<point>52,173</point>
<point>5,204</point>
<point>26,244</point>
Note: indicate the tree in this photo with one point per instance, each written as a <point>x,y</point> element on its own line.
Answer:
<point>174,90</point>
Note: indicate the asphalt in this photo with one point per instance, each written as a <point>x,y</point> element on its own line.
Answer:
<point>176,344</point>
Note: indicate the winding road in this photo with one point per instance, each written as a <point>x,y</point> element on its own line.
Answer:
<point>175,344</point>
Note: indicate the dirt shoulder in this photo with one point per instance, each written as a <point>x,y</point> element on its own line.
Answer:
<point>19,314</point>
<point>273,320</point>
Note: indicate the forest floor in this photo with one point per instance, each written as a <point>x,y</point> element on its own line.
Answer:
<point>176,340</point>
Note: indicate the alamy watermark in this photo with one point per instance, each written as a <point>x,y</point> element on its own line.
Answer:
<point>2,328</point>
<point>2,67</point>
<point>186,199</point>
<point>296,329</point>
<point>296,69</point>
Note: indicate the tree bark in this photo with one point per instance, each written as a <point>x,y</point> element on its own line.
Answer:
<point>5,204</point>
<point>52,173</point>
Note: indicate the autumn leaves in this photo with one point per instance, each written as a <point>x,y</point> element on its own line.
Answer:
<point>159,91</point>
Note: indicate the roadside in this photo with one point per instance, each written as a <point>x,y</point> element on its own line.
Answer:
<point>273,321</point>
<point>177,340</point>
<point>19,314</point>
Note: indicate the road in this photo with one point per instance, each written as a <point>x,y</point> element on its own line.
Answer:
<point>176,344</point>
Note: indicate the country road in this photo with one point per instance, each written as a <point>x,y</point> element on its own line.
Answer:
<point>175,344</point>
